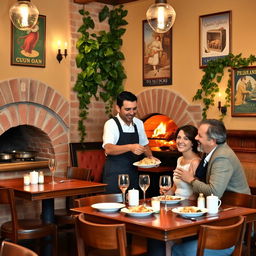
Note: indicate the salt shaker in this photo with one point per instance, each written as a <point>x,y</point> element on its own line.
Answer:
<point>41,178</point>
<point>201,201</point>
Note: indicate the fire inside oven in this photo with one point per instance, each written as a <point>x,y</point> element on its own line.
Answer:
<point>160,130</point>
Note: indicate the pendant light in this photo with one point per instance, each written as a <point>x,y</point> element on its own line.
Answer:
<point>161,16</point>
<point>24,15</point>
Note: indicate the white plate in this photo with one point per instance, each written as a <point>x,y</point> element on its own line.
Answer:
<point>108,207</point>
<point>174,200</point>
<point>179,210</point>
<point>147,166</point>
<point>138,214</point>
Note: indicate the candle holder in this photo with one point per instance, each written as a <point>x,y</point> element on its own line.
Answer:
<point>60,55</point>
<point>222,109</point>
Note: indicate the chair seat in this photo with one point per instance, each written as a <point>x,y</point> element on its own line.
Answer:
<point>28,227</point>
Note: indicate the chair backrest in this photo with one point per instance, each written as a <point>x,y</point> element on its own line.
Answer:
<point>222,237</point>
<point>7,197</point>
<point>99,236</point>
<point>11,249</point>
<point>238,199</point>
<point>78,173</point>
<point>102,198</point>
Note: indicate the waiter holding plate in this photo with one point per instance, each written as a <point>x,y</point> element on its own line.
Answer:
<point>124,141</point>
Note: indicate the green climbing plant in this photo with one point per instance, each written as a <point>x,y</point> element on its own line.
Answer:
<point>100,59</point>
<point>213,74</point>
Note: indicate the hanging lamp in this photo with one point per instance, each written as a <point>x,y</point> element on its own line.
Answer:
<point>24,15</point>
<point>161,16</point>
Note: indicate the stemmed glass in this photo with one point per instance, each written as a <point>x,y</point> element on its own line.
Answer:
<point>144,182</point>
<point>165,184</point>
<point>123,183</point>
<point>52,166</point>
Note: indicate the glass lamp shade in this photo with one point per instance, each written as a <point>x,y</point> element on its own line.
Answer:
<point>161,16</point>
<point>24,15</point>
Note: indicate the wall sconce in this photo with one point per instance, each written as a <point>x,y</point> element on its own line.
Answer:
<point>161,16</point>
<point>24,15</point>
<point>60,55</point>
<point>222,109</point>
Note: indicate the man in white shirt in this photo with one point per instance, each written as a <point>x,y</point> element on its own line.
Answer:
<point>124,141</point>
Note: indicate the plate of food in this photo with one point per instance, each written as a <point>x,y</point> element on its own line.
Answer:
<point>108,207</point>
<point>190,211</point>
<point>147,163</point>
<point>138,211</point>
<point>169,199</point>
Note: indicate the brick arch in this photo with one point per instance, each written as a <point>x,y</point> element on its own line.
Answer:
<point>31,102</point>
<point>169,103</point>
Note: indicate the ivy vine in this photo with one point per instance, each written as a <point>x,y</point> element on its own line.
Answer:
<point>100,59</point>
<point>213,74</point>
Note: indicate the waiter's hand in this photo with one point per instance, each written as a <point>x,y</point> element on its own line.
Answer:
<point>137,149</point>
<point>184,175</point>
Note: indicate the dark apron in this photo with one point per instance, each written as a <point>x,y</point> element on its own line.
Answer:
<point>122,164</point>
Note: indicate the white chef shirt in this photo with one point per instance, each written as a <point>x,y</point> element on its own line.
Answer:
<point>111,132</point>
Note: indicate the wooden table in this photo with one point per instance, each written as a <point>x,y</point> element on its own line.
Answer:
<point>165,226</point>
<point>47,192</point>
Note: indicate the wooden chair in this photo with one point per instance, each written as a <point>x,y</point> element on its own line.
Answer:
<point>138,244</point>
<point>222,237</point>
<point>11,249</point>
<point>100,239</point>
<point>242,200</point>
<point>64,216</point>
<point>17,229</point>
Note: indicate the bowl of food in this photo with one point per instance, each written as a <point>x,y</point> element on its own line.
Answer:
<point>169,199</point>
<point>190,211</point>
<point>138,211</point>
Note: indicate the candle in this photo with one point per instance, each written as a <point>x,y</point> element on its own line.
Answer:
<point>33,177</point>
<point>155,203</point>
<point>26,179</point>
<point>41,178</point>
<point>133,197</point>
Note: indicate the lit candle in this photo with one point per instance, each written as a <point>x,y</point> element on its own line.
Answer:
<point>26,179</point>
<point>33,177</point>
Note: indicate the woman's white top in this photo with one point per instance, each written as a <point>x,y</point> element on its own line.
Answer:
<point>182,188</point>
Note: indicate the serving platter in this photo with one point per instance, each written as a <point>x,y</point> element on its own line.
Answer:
<point>108,207</point>
<point>195,211</point>
<point>148,165</point>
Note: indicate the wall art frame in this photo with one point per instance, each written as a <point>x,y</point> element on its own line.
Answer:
<point>243,92</point>
<point>214,36</point>
<point>157,56</point>
<point>28,47</point>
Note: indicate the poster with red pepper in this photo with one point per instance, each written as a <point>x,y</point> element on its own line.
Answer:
<point>28,47</point>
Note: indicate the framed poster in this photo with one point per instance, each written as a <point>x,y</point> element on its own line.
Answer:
<point>28,47</point>
<point>214,36</point>
<point>243,97</point>
<point>157,57</point>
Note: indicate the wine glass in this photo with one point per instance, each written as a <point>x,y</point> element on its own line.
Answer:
<point>123,183</point>
<point>144,182</point>
<point>52,166</point>
<point>165,184</point>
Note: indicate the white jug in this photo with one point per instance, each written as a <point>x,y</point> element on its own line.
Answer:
<point>213,203</point>
<point>133,197</point>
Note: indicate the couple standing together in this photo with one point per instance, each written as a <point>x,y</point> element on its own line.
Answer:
<point>124,140</point>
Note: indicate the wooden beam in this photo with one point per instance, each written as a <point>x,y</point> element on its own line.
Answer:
<point>111,2</point>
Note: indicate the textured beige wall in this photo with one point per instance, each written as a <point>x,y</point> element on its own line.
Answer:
<point>57,28</point>
<point>186,71</point>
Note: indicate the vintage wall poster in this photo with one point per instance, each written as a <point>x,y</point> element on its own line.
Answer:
<point>243,98</point>
<point>28,47</point>
<point>157,57</point>
<point>215,36</point>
